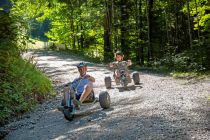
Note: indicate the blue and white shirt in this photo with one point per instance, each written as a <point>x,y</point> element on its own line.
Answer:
<point>79,83</point>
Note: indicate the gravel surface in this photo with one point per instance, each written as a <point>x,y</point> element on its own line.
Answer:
<point>159,108</point>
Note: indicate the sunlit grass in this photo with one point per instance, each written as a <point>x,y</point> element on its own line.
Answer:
<point>37,44</point>
<point>196,75</point>
<point>22,88</point>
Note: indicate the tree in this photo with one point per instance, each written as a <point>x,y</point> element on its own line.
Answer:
<point>107,31</point>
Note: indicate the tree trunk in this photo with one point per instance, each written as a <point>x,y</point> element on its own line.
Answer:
<point>123,28</point>
<point>175,42</point>
<point>166,24</point>
<point>196,7</point>
<point>189,24</point>
<point>78,41</point>
<point>81,37</point>
<point>149,6</point>
<point>139,25</point>
<point>115,46</point>
<point>141,49</point>
<point>73,36</point>
<point>107,32</point>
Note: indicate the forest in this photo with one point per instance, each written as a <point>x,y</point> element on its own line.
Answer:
<point>171,35</point>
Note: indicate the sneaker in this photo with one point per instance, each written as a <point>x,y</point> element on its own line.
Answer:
<point>76,104</point>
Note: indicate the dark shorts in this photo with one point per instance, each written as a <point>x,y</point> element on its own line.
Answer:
<point>79,95</point>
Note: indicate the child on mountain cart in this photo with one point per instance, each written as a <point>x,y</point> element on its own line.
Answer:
<point>119,65</point>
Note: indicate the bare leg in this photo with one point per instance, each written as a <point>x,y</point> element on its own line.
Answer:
<point>87,91</point>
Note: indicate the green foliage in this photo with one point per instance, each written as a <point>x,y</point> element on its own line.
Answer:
<point>96,28</point>
<point>21,84</point>
<point>86,55</point>
<point>186,62</point>
<point>182,62</point>
<point>191,75</point>
<point>22,87</point>
<point>200,10</point>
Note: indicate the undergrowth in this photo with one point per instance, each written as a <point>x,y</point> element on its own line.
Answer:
<point>22,87</point>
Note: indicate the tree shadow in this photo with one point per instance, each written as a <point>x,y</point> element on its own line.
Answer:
<point>121,127</point>
<point>128,88</point>
<point>92,114</point>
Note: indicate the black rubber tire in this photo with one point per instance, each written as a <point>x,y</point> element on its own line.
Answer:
<point>108,82</point>
<point>67,114</point>
<point>136,78</point>
<point>104,99</point>
<point>124,83</point>
<point>63,102</point>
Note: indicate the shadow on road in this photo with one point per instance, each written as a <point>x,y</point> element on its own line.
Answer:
<point>129,88</point>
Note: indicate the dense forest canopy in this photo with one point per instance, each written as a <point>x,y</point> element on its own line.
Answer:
<point>22,85</point>
<point>166,33</point>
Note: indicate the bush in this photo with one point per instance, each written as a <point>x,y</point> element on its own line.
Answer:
<point>21,88</point>
<point>21,84</point>
<point>182,62</point>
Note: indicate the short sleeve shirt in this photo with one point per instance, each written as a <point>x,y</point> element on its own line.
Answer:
<point>79,83</point>
<point>120,65</point>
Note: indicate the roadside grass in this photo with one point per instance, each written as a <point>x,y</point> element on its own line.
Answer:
<point>22,87</point>
<point>35,44</point>
<point>190,75</point>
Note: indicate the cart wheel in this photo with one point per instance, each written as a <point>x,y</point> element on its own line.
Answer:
<point>104,100</point>
<point>63,102</point>
<point>136,78</point>
<point>108,82</point>
<point>124,82</point>
<point>68,114</point>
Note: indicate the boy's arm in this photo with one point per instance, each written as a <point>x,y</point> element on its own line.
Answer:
<point>113,65</point>
<point>129,63</point>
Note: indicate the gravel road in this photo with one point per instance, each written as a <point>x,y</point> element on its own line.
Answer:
<point>159,108</point>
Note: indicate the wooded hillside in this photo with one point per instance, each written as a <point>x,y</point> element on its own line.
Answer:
<point>174,34</point>
<point>168,34</point>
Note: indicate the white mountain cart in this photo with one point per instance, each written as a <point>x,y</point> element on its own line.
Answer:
<point>69,110</point>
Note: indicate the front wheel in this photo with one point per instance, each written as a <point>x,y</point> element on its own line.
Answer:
<point>108,82</point>
<point>68,114</point>
<point>63,102</point>
<point>104,100</point>
<point>136,78</point>
<point>124,82</point>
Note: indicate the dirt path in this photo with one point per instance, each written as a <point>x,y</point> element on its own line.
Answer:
<point>159,108</point>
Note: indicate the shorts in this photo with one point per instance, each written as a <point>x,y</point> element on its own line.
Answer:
<point>79,95</point>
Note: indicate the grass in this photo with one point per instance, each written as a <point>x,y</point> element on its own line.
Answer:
<point>190,75</point>
<point>22,87</point>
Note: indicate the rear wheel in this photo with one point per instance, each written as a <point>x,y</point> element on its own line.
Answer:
<point>104,100</point>
<point>68,114</point>
<point>63,102</point>
<point>124,82</point>
<point>136,78</point>
<point>108,82</point>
